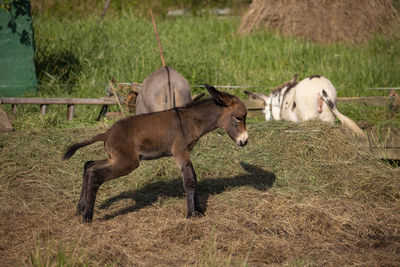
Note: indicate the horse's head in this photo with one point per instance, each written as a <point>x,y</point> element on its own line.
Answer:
<point>233,118</point>
<point>271,109</point>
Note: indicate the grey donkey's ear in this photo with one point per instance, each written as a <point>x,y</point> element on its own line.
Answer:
<point>255,95</point>
<point>197,97</point>
<point>263,97</point>
<point>294,78</point>
<point>220,98</point>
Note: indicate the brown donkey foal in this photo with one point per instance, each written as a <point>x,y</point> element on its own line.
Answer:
<point>173,132</point>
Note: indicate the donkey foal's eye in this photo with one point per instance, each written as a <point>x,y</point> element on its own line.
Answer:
<point>237,119</point>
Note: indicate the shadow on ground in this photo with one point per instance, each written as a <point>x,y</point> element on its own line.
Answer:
<point>255,177</point>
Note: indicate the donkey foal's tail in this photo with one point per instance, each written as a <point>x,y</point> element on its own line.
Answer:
<point>346,121</point>
<point>73,148</point>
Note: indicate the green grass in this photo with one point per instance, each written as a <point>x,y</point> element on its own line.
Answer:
<point>50,256</point>
<point>203,49</point>
<point>77,58</point>
<point>370,115</point>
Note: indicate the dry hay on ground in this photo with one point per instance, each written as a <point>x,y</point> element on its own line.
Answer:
<point>323,21</point>
<point>297,194</point>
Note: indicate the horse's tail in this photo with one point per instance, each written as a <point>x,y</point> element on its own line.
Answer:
<point>170,90</point>
<point>73,148</point>
<point>346,121</point>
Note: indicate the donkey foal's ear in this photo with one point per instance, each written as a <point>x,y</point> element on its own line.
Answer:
<point>219,97</point>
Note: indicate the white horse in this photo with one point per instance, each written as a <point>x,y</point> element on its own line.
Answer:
<point>312,98</point>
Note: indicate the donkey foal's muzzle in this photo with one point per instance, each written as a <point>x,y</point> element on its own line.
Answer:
<point>242,139</point>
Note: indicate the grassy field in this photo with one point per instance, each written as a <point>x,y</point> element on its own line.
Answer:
<point>296,195</point>
<point>203,49</point>
<point>77,58</point>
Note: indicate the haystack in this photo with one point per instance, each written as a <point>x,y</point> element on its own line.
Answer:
<point>323,21</point>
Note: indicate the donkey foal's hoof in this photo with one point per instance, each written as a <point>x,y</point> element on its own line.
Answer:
<point>86,220</point>
<point>194,214</point>
<point>87,217</point>
<point>80,209</point>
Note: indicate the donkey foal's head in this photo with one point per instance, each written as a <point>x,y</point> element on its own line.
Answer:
<point>233,118</point>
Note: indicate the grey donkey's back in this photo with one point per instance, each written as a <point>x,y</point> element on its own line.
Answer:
<point>163,89</point>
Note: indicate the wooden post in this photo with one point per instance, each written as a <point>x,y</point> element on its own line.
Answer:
<point>116,97</point>
<point>105,9</point>
<point>158,38</point>
<point>14,109</point>
<point>70,112</point>
<point>5,125</point>
<point>43,109</point>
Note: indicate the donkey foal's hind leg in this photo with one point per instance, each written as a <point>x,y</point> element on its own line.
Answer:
<point>81,203</point>
<point>95,175</point>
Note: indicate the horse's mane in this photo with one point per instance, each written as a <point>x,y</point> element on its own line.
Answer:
<point>290,84</point>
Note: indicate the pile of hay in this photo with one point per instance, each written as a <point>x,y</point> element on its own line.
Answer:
<point>297,195</point>
<point>323,21</point>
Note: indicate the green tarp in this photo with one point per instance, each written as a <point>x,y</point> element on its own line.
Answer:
<point>17,68</point>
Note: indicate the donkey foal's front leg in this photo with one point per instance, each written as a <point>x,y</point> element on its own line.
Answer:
<point>189,183</point>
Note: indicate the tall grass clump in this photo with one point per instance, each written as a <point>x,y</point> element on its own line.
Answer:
<point>49,256</point>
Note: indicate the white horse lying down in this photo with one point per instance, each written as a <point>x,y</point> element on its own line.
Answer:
<point>312,98</point>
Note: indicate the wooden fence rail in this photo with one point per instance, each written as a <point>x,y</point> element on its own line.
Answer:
<point>70,102</point>
<point>251,104</point>
<point>58,101</point>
